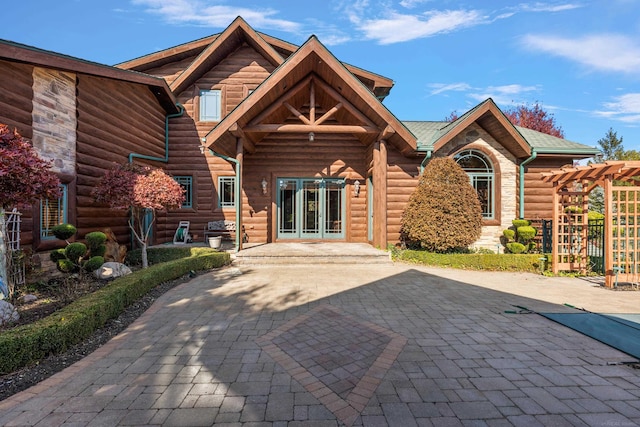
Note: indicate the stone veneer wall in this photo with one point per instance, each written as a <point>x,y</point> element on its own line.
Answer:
<point>475,137</point>
<point>54,118</point>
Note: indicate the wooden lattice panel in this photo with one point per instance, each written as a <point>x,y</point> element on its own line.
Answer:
<point>570,232</point>
<point>626,233</point>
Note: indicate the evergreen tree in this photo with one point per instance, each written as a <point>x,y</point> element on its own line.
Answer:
<point>611,146</point>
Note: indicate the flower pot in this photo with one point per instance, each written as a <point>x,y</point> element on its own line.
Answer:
<point>215,242</point>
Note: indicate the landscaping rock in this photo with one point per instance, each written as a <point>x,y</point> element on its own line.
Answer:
<point>28,298</point>
<point>112,270</point>
<point>8,313</point>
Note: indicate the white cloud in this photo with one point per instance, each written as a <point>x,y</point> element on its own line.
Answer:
<point>624,108</point>
<point>410,4</point>
<point>503,95</point>
<point>400,27</point>
<point>605,52</point>
<point>202,13</point>
<point>438,88</point>
<point>547,7</point>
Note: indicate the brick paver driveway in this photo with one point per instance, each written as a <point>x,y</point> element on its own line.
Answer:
<point>327,345</point>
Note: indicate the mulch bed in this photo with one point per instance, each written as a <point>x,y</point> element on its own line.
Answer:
<point>15,382</point>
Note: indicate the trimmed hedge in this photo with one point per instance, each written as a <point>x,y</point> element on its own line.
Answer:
<point>158,255</point>
<point>27,344</point>
<point>492,262</point>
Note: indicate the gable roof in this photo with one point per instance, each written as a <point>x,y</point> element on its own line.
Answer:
<point>520,141</point>
<point>240,31</point>
<point>340,92</point>
<point>12,51</point>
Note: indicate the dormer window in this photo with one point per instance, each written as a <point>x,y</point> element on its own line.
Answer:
<point>210,105</point>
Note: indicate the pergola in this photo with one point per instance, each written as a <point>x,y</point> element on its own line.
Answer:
<point>621,247</point>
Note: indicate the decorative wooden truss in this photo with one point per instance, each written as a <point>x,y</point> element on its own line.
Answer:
<point>572,187</point>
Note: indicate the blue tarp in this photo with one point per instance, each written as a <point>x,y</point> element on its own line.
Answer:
<point>620,331</point>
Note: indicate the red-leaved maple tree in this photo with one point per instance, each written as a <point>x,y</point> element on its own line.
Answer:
<point>142,189</point>
<point>25,178</point>
<point>535,118</point>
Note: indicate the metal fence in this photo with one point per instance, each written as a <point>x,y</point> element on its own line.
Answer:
<point>595,242</point>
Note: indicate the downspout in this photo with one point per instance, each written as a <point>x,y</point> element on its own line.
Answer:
<point>423,164</point>
<point>236,193</point>
<point>522,165</point>
<point>164,159</point>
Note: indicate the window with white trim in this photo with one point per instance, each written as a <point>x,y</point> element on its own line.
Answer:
<point>210,105</point>
<point>53,212</point>
<point>226,191</point>
<point>482,176</point>
<point>186,182</point>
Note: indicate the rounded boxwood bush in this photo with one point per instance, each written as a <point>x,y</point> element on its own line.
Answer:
<point>66,266</point>
<point>516,248</point>
<point>64,231</point>
<point>526,233</point>
<point>74,251</point>
<point>93,264</point>
<point>99,251</point>
<point>95,239</point>
<point>509,234</point>
<point>56,255</point>
<point>517,223</point>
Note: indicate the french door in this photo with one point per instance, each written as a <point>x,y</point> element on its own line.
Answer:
<point>310,208</point>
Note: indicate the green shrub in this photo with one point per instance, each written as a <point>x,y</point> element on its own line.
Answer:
<point>443,213</point>
<point>594,215</point>
<point>526,233</point>
<point>64,231</point>
<point>56,255</point>
<point>75,251</point>
<point>95,240</point>
<point>66,266</point>
<point>491,262</point>
<point>509,234</point>
<point>28,344</point>
<point>93,263</point>
<point>516,247</point>
<point>99,251</point>
<point>158,255</point>
<point>517,223</point>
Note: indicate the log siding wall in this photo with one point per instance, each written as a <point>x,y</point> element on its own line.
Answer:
<point>114,120</point>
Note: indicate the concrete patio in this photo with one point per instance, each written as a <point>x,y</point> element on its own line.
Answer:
<point>339,344</point>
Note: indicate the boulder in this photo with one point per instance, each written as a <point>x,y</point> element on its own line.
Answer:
<point>28,298</point>
<point>112,270</point>
<point>8,313</point>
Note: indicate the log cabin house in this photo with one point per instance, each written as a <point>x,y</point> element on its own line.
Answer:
<point>285,140</point>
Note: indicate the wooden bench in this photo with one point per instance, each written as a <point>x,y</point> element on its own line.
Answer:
<point>224,228</point>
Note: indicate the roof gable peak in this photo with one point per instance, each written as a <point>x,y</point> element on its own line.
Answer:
<point>231,38</point>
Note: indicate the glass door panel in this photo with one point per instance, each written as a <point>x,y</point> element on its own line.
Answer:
<point>333,208</point>
<point>287,207</point>
<point>310,208</point>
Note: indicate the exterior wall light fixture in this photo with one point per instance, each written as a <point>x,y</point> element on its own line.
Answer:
<point>264,184</point>
<point>356,188</point>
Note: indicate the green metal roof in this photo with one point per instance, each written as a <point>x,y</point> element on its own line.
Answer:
<point>428,132</point>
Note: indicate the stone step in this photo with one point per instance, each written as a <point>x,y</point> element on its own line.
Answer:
<point>312,259</point>
<point>312,253</point>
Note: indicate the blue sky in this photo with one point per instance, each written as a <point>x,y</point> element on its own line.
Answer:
<point>579,58</point>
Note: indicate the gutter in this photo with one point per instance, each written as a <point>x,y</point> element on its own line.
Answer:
<point>423,164</point>
<point>164,159</point>
<point>237,194</point>
<point>534,154</point>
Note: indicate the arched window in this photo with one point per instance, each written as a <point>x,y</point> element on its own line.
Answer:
<point>482,177</point>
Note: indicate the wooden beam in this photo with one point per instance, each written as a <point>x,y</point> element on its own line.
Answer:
<point>297,113</point>
<point>346,104</point>
<point>554,230</point>
<point>312,101</point>
<point>608,232</point>
<point>387,132</point>
<point>280,101</point>
<point>239,133</point>
<point>328,114</point>
<point>291,128</point>
<point>239,204</point>
<point>380,194</point>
